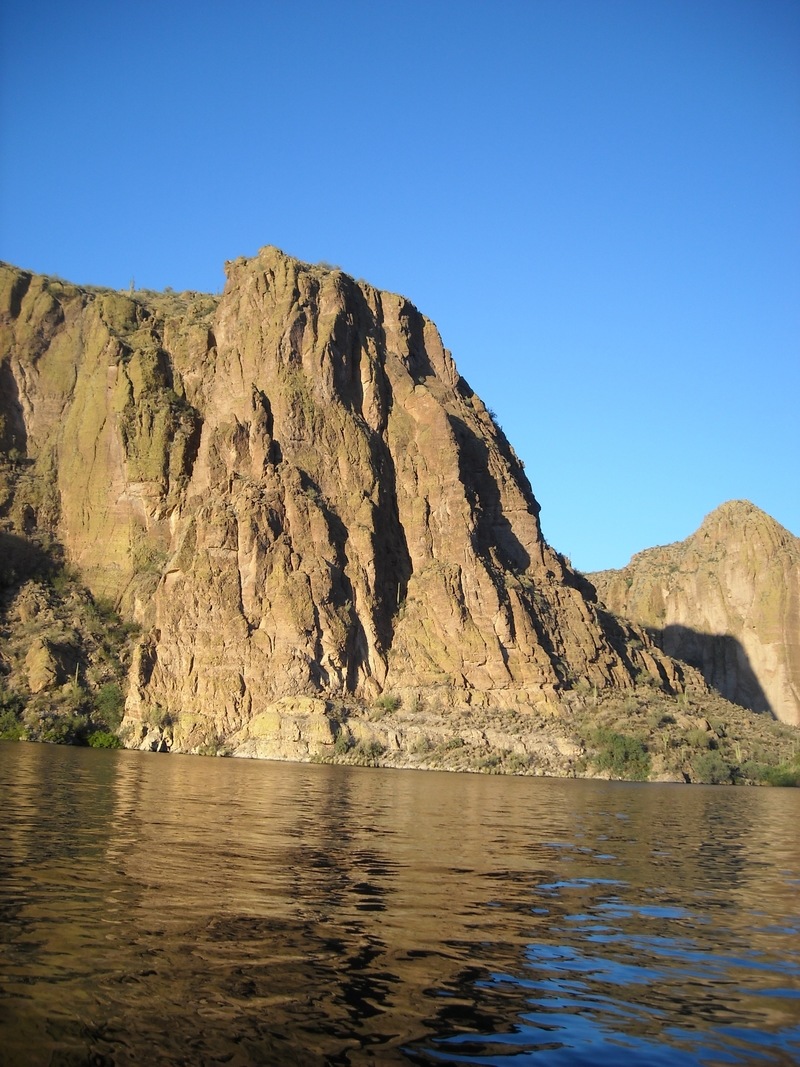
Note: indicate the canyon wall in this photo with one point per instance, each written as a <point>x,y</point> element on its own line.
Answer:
<point>296,496</point>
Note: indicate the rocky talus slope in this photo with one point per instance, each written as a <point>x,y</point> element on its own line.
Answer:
<point>727,600</point>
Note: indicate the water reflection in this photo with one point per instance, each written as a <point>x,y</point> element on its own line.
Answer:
<point>186,910</point>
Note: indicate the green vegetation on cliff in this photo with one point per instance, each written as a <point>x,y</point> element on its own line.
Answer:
<point>63,653</point>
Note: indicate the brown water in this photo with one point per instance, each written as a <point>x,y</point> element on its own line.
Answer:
<point>187,910</point>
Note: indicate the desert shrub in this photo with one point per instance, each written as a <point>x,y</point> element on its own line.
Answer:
<point>11,729</point>
<point>63,579</point>
<point>213,748</point>
<point>64,730</point>
<point>104,739</point>
<point>785,775</point>
<point>109,702</point>
<point>417,705</point>
<point>156,717</point>
<point>660,718</point>
<point>753,770</point>
<point>710,768</point>
<point>388,702</point>
<point>698,738</point>
<point>342,744</point>
<point>101,611</point>
<point>644,677</point>
<point>147,557</point>
<point>454,742</point>
<point>516,762</point>
<point>782,774</point>
<point>624,756</point>
<point>369,750</point>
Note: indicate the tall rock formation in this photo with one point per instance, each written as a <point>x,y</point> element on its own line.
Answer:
<point>296,495</point>
<point>726,600</point>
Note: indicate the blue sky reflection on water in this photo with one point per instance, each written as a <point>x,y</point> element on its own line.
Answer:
<point>584,1008</point>
<point>625,972</point>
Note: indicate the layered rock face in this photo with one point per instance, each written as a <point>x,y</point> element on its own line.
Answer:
<point>727,600</point>
<point>295,493</point>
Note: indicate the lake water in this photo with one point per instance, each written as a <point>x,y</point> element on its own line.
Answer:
<point>160,909</point>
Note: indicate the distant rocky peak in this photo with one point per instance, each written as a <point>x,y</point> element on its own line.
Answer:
<point>726,600</point>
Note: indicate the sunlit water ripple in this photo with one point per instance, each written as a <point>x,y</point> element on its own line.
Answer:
<point>182,910</point>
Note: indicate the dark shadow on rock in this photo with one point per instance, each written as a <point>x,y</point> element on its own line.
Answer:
<point>492,529</point>
<point>617,632</point>
<point>576,579</point>
<point>392,558</point>
<point>21,559</point>
<point>418,361</point>
<point>722,661</point>
<point>13,435</point>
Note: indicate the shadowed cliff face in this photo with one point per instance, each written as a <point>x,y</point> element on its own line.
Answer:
<point>727,601</point>
<point>294,492</point>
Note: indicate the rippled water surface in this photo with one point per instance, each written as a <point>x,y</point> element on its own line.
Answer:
<point>182,910</point>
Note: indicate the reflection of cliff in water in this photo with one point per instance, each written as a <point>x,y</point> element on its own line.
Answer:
<point>255,912</point>
<point>314,917</point>
<point>364,910</point>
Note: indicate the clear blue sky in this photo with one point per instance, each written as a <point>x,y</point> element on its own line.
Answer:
<point>597,201</point>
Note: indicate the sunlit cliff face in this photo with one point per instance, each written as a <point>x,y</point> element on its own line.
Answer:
<point>727,600</point>
<point>295,494</point>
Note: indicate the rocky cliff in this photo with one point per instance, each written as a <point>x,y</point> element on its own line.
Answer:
<point>298,500</point>
<point>727,600</point>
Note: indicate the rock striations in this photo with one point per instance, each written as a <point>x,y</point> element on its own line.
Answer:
<point>727,600</point>
<point>299,500</point>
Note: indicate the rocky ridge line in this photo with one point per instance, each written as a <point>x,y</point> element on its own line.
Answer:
<point>727,601</point>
